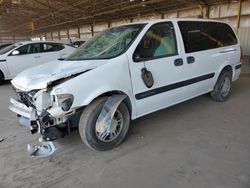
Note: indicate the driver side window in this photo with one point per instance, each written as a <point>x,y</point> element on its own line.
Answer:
<point>29,49</point>
<point>23,50</point>
<point>159,41</point>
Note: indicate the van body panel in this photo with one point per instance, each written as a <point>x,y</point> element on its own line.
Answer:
<point>159,67</point>
<point>169,86</point>
<point>116,78</point>
<point>163,64</point>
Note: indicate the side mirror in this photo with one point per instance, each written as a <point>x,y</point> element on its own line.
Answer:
<point>15,52</point>
<point>136,58</point>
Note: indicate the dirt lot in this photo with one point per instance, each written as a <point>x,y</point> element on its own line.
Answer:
<point>196,144</point>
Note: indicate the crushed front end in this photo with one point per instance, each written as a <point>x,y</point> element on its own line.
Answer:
<point>51,116</point>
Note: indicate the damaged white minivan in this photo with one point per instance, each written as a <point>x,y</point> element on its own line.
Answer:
<point>124,73</point>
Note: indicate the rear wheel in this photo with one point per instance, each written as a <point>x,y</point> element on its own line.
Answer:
<point>108,140</point>
<point>222,88</point>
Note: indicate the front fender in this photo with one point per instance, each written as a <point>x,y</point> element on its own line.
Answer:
<point>129,99</point>
<point>100,92</point>
<point>111,77</point>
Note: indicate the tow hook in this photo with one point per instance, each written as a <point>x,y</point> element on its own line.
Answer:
<point>44,149</point>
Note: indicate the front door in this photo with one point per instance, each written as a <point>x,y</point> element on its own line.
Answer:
<point>26,57</point>
<point>156,69</point>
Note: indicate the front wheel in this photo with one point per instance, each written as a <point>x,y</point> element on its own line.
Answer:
<point>1,78</point>
<point>103,141</point>
<point>222,88</point>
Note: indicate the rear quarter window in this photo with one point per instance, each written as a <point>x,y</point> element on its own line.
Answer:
<point>51,47</point>
<point>61,46</point>
<point>198,36</point>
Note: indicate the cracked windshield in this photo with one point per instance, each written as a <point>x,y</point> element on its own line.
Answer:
<point>108,44</point>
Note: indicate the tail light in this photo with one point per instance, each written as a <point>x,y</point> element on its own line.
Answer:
<point>241,56</point>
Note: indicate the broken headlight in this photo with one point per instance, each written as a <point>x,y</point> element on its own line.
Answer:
<point>65,101</point>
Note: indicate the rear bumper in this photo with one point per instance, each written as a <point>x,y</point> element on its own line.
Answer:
<point>237,71</point>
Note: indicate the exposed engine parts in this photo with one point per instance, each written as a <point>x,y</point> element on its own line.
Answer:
<point>50,116</point>
<point>26,98</point>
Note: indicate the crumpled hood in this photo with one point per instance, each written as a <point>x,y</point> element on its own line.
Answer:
<point>40,76</point>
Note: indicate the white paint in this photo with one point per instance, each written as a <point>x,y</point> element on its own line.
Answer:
<point>123,74</point>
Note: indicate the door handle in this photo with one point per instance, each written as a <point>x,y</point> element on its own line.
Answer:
<point>178,62</point>
<point>37,56</point>
<point>190,59</point>
<point>228,50</point>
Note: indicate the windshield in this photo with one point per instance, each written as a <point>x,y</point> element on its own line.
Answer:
<point>7,49</point>
<point>108,44</point>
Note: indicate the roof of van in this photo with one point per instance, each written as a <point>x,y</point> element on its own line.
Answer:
<point>152,21</point>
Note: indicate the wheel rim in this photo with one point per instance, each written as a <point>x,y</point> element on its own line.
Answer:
<point>225,86</point>
<point>114,130</point>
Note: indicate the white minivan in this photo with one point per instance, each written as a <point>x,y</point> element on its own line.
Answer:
<point>23,55</point>
<point>124,73</point>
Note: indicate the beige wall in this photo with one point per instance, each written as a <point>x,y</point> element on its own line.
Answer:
<point>244,37</point>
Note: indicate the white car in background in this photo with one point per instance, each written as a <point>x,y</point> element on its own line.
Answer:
<point>23,55</point>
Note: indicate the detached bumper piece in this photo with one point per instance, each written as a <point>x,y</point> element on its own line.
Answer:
<point>45,149</point>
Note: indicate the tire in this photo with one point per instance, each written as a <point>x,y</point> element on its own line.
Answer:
<point>219,93</point>
<point>87,126</point>
<point>1,78</point>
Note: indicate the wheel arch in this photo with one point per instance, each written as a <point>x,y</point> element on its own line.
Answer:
<point>225,68</point>
<point>216,92</point>
<point>127,100</point>
<point>1,72</point>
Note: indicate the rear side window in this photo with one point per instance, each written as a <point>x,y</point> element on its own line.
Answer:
<point>198,36</point>
<point>51,47</point>
<point>158,42</point>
